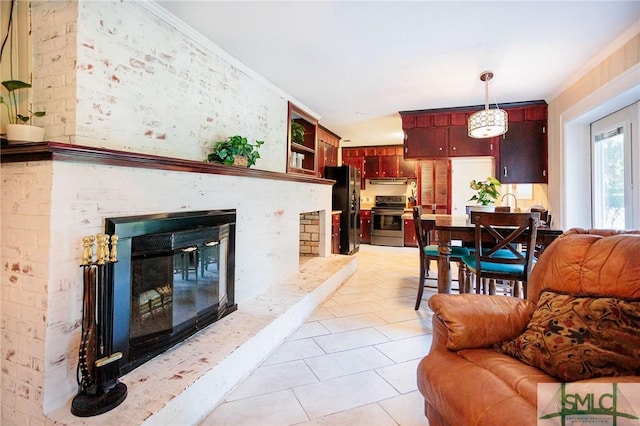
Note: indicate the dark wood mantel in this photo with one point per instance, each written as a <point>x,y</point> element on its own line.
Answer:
<point>57,151</point>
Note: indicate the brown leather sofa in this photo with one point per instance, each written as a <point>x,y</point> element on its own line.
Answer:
<point>465,381</point>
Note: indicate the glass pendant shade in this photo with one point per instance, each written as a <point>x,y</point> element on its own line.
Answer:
<point>488,122</point>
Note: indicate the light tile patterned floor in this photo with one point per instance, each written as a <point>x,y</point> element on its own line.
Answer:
<point>354,360</point>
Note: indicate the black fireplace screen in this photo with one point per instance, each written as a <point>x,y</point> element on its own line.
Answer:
<point>172,287</point>
<point>174,277</point>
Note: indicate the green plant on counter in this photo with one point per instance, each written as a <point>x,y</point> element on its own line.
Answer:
<point>226,151</point>
<point>12,103</point>
<point>487,191</point>
<point>297,132</point>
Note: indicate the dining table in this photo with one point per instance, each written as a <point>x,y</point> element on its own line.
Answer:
<point>450,228</point>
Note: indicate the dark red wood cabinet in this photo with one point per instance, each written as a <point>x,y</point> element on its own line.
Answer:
<point>380,162</point>
<point>335,233</point>
<point>389,165</point>
<point>371,167</point>
<point>521,154</point>
<point>523,150</point>
<point>365,226</point>
<point>461,145</point>
<point>407,168</point>
<point>426,142</point>
<point>409,234</point>
<point>328,147</point>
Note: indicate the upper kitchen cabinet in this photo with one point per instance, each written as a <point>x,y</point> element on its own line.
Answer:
<point>441,135</point>
<point>380,162</point>
<point>355,157</point>
<point>426,142</point>
<point>328,146</point>
<point>523,149</point>
<point>521,154</point>
<point>461,145</point>
<point>303,131</point>
<point>406,168</point>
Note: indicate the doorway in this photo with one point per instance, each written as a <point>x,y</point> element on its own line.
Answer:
<point>463,171</point>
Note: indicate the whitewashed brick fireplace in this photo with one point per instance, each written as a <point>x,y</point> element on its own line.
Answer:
<point>99,66</point>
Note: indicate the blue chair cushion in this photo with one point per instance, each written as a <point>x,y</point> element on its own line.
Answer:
<point>456,251</point>
<point>506,268</point>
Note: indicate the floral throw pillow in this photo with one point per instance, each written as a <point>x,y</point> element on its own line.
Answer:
<point>580,337</point>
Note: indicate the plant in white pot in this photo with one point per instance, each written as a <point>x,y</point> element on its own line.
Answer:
<point>19,128</point>
<point>486,195</point>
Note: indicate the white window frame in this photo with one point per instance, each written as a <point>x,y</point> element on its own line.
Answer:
<point>628,119</point>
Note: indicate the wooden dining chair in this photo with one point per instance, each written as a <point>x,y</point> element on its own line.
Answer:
<point>504,248</point>
<point>429,252</point>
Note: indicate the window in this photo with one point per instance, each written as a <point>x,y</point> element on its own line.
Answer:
<point>616,170</point>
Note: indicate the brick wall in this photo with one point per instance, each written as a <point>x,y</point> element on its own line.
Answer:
<point>310,234</point>
<point>116,75</point>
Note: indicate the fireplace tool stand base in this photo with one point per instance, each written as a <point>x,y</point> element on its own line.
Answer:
<point>86,405</point>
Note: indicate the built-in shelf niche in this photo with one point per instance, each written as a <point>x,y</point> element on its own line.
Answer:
<point>302,157</point>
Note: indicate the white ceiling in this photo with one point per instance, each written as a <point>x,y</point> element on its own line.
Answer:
<point>357,63</point>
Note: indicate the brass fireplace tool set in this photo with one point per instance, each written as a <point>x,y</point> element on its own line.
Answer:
<point>98,367</point>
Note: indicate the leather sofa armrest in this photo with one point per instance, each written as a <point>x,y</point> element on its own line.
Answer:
<point>480,321</point>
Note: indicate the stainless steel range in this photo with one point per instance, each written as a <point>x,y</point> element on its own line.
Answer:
<point>387,226</point>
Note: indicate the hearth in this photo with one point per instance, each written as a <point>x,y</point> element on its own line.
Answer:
<point>174,276</point>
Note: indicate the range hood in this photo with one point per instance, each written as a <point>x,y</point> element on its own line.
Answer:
<point>389,181</point>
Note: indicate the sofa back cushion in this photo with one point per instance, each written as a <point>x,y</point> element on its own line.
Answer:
<point>589,263</point>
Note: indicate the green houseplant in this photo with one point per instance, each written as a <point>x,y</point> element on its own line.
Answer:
<point>486,191</point>
<point>19,127</point>
<point>297,132</point>
<point>235,150</point>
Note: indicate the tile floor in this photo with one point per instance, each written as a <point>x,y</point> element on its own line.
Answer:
<point>353,362</point>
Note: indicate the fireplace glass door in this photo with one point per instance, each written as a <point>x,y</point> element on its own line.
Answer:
<point>177,282</point>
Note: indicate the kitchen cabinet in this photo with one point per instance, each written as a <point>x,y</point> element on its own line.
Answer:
<point>389,165</point>
<point>335,233</point>
<point>407,168</point>
<point>428,142</point>
<point>409,234</point>
<point>371,167</point>
<point>442,133</point>
<point>435,186</point>
<point>328,146</point>
<point>302,158</point>
<point>523,153</point>
<point>445,142</point>
<point>461,145</point>
<point>386,166</point>
<point>358,163</point>
<point>379,162</point>
<point>365,226</point>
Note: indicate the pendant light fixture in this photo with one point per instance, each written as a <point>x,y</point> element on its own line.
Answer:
<point>488,123</point>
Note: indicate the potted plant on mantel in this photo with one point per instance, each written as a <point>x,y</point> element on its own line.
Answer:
<point>486,194</point>
<point>19,128</point>
<point>235,150</point>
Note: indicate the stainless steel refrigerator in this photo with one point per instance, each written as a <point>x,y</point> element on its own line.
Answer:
<point>346,198</point>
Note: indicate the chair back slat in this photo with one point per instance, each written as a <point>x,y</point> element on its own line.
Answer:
<point>422,238</point>
<point>497,232</point>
